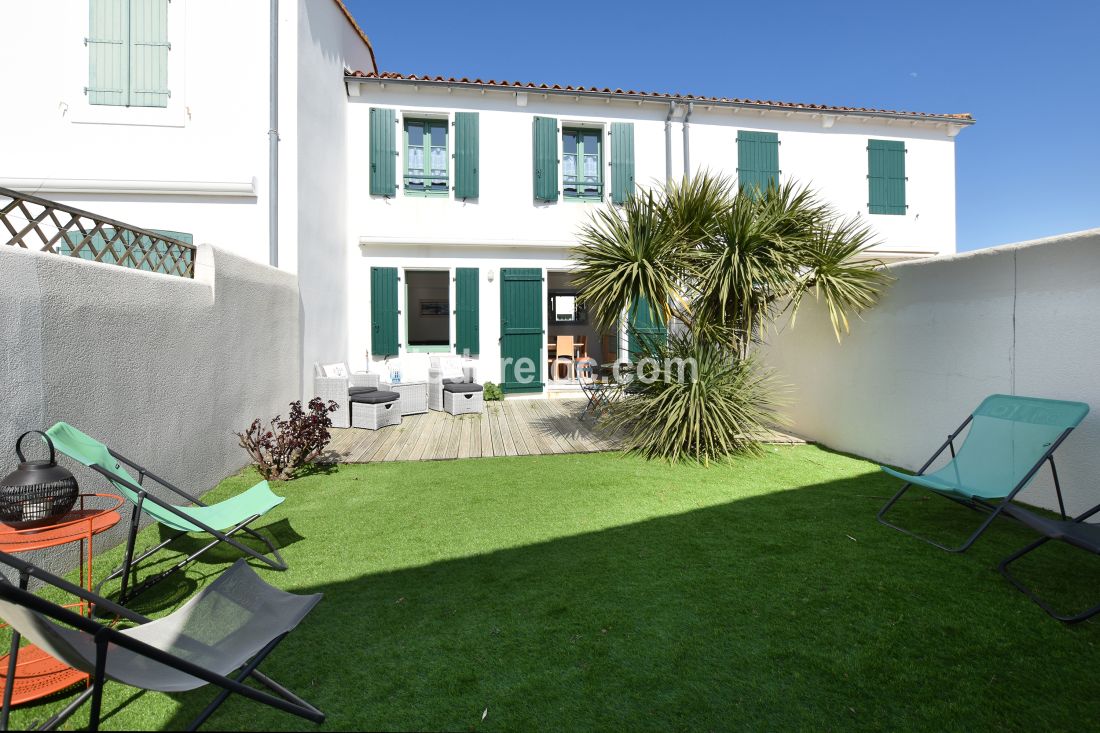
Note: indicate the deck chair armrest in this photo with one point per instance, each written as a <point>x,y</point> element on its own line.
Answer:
<point>174,489</point>
<point>61,584</point>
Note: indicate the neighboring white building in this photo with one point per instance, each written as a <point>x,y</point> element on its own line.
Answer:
<point>159,114</point>
<point>468,196</point>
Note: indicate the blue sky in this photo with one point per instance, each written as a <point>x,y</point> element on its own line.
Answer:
<point>1028,72</point>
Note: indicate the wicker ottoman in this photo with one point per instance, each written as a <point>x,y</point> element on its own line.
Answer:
<point>463,399</point>
<point>377,409</point>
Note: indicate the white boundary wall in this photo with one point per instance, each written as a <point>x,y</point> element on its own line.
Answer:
<point>163,369</point>
<point>1019,319</point>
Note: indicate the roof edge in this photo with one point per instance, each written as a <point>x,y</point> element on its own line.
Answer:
<point>355,26</point>
<point>962,119</point>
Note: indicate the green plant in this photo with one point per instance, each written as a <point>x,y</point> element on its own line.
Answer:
<point>492,392</point>
<point>694,399</point>
<point>721,264</point>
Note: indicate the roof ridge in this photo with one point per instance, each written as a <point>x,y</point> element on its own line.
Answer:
<point>799,106</point>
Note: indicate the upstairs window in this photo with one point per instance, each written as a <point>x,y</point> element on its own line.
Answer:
<point>582,163</point>
<point>426,170</point>
<point>128,53</point>
<point>886,177</point>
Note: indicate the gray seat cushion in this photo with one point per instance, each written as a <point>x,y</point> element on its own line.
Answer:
<point>352,391</point>
<point>376,397</point>
<point>463,388</point>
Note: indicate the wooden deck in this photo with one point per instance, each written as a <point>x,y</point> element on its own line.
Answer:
<point>509,428</point>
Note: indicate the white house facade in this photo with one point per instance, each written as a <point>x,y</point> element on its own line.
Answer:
<point>420,215</point>
<point>466,199</point>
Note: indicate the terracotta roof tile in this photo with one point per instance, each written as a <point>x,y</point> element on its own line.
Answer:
<point>793,106</point>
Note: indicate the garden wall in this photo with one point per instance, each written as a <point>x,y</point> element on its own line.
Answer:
<point>1019,319</point>
<point>163,369</point>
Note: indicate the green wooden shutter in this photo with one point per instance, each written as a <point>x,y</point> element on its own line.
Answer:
<point>757,159</point>
<point>646,330</point>
<point>546,159</point>
<point>467,314</point>
<point>383,311</point>
<point>149,53</point>
<point>622,161</point>
<point>108,52</point>
<point>886,177</point>
<point>466,155</point>
<point>383,152</point>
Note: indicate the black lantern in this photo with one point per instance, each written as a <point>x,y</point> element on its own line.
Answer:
<point>37,491</point>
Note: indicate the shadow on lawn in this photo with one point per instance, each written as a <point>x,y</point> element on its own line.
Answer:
<point>793,609</point>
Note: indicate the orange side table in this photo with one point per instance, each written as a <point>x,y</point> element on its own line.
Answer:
<point>37,674</point>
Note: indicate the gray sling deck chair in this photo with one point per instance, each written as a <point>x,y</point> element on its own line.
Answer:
<point>220,521</point>
<point>1076,532</point>
<point>1009,440</point>
<point>232,624</point>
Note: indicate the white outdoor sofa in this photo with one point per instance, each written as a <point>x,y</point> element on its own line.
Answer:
<point>335,382</point>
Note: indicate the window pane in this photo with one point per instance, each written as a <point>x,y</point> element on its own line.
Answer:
<point>592,142</point>
<point>416,134</point>
<point>439,161</point>
<point>569,166</point>
<point>415,160</point>
<point>591,168</point>
<point>569,143</point>
<point>439,135</point>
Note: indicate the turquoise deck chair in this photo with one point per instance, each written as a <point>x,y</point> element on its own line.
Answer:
<point>1009,440</point>
<point>221,520</point>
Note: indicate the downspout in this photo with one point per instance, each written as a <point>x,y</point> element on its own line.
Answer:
<point>668,142</point>
<point>687,141</point>
<point>273,142</point>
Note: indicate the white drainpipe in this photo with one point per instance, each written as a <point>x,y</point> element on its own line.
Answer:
<point>687,141</point>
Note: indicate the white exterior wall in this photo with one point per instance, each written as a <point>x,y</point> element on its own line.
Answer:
<point>1018,319</point>
<point>505,227</point>
<point>326,44</point>
<point>213,131</point>
<point>163,369</point>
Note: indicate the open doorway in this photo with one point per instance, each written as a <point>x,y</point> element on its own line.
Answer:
<point>569,325</point>
<point>428,311</point>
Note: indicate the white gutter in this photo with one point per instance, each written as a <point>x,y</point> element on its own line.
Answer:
<point>668,142</point>
<point>273,142</point>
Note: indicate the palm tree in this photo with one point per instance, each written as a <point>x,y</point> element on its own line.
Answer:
<point>722,263</point>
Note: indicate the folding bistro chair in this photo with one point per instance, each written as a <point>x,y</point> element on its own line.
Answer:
<point>1009,440</point>
<point>1076,532</point>
<point>232,624</point>
<point>221,521</point>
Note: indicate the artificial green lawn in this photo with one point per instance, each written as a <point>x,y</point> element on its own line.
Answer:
<point>605,592</point>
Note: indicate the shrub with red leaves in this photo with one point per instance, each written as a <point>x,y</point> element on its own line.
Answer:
<point>281,449</point>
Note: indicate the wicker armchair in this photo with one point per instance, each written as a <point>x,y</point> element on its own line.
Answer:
<point>444,370</point>
<point>328,384</point>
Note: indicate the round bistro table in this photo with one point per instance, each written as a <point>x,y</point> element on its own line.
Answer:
<point>37,674</point>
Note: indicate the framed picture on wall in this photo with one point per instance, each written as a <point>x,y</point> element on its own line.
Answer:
<point>433,308</point>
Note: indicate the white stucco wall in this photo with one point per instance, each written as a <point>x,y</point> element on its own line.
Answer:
<point>833,160</point>
<point>163,369</point>
<point>326,45</point>
<point>1017,319</point>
